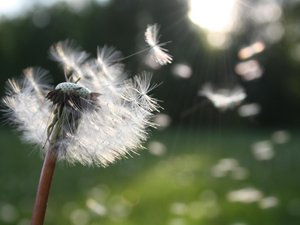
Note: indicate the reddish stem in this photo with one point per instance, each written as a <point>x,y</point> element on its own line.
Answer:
<point>41,199</point>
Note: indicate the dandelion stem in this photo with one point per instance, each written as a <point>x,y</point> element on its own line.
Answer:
<point>41,200</point>
<point>47,172</point>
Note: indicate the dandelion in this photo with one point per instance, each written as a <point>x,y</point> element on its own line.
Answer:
<point>157,53</point>
<point>94,118</point>
<point>223,99</point>
<point>248,110</point>
<point>263,150</point>
<point>245,195</point>
<point>268,202</point>
<point>280,137</point>
<point>251,50</point>
<point>182,70</point>
<point>249,70</point>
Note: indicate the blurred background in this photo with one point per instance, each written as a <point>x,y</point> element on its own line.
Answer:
<point>227,148</point>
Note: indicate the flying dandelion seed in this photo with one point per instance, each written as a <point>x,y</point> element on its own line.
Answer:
<point>229,166</point>
<point>162,120</point>
<point>249,51</point>
<point>96,207</point>
<point>249,70</point>
<point>249,110</point>
<point>223,99</point>
<point>148,61</point>
<point>179,208</point>
<point>245,195</point>
<point>157,148</point>
<point>79,217</point>
<point>224,166</point>
<point>266,12</point>
<point>157,53</point>
<point>239,223</point>
<point>263,150</point>
<point>280,137</point>
<point>182,70</point>
<point>177,221</point>
<point>8,213</point>
<point>268,202</point>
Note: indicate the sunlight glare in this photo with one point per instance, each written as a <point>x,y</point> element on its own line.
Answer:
<point>213,15</point>
<point>9,7</point>
<point>217,17</point>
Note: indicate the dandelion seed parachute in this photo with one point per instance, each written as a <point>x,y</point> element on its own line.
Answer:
<point>118,123</point>
<point>223,99</point>
<point>70,56</point>
<point>158,53</point>
<point>26,106</point>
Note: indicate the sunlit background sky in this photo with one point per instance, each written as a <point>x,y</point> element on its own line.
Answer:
<point>218,23</point>
<point>218,18</point>
<point>14,8</point>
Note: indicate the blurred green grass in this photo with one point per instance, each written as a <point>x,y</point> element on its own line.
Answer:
<point>184,186</point>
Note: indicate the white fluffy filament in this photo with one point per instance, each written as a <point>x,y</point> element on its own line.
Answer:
<point>70,57</point>
<point>26,107</point>
<point>117,126</point>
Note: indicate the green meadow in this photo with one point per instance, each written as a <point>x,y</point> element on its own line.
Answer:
<point>183,177</point>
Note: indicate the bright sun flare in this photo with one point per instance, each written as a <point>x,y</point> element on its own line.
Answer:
<point>213,15</point>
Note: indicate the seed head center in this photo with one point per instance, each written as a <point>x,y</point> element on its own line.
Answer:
<point>73,89</point>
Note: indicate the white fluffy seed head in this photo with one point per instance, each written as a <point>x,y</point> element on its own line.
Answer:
<point>116,127</point>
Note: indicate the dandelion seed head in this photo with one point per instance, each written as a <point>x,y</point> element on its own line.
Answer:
<point>72,88</point>
<point>102,114</point>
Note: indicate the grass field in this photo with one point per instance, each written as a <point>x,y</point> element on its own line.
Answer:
<point>208,177</point>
